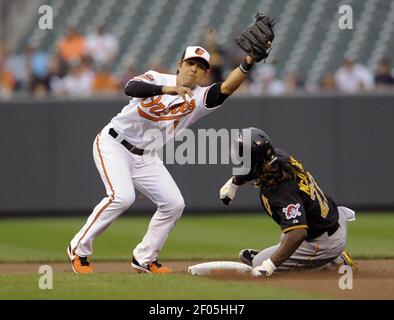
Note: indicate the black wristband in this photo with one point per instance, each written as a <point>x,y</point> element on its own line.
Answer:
<point>245,67</point>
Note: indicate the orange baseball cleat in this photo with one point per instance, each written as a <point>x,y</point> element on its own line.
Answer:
<point>153,267</point>
<point>81,265</point>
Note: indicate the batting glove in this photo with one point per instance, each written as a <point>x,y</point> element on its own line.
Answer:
<point>227,192</point>
<point>267,268</point>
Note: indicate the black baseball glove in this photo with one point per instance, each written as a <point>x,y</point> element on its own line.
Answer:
<point>255,39</point>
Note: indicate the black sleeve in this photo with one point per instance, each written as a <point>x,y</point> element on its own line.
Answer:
<point>140,89</point>
<point>287,204</point>
<point>215,97</point>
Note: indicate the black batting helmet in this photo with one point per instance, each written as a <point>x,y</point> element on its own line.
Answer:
<point>259,144</point>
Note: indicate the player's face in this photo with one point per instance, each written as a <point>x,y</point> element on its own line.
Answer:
<point>191,72</point>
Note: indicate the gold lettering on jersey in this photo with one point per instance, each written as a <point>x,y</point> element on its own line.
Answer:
<point>318,193</point>
<point>296,163</point>
<point>154,110</point>
<point>308,185</point>
<point>304,183</point>
<point>266,205</point>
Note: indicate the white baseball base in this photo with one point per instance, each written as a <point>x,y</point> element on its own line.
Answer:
<point>207,267</point>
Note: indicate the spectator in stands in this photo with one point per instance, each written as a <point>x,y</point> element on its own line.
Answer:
<point>102,46</point>
<point>217,56</point>
<point>30,68</point>
<point>328,83</point>
<point>7,82</point>
<point>235,57</point>
<point>73,46</point>
<point>58,69</point>
<point>20,67</point>
<point>39,69</point>
<point>234,53</point>
<point>130,74</point>
<point>265,81</point>
<point>384,76</point>
<point>353,78</point>
<point>58,66</point>
<point>79,81</point>
<point>293,82</point>
<point>104,82</point>
<point>156,63</point>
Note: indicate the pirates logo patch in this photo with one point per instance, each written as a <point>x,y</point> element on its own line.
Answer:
<point>292,211</point>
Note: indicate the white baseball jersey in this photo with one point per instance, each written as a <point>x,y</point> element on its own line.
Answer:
<point>167,113</point>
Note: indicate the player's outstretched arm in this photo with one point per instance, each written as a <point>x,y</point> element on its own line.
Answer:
<point>227,192</point>
<point>236,77</point>
<point>291,241</point>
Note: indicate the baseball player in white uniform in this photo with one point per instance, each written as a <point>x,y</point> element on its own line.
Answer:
<point>159,101</point>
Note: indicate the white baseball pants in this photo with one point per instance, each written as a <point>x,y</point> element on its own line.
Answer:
<point>121,172</point>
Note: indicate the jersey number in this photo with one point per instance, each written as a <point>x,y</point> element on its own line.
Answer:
<point>315,192</point>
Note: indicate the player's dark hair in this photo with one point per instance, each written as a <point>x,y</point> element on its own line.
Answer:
<point>280,170</point>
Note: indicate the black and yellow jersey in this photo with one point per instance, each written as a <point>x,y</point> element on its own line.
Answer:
<point>300,203</point>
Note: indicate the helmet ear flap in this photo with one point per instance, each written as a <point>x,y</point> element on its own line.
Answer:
<point>257,144</point>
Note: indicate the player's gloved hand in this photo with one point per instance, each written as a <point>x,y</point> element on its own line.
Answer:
<point>266,269</point>
<point>227,192</point>
<point>256,40</point>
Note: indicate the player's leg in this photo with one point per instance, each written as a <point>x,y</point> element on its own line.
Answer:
<point>154,180</point>
<point>114,164</point>
<point>264,255</point>
<point>304,256</point>
<point>312,254</point>
<point>328,248</point>
<point>346,215</point>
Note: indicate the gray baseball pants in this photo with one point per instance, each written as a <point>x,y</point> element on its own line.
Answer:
<point>316,253</point>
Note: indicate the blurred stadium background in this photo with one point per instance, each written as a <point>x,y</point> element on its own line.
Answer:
<point>137,35</point>
<point>325,94</point>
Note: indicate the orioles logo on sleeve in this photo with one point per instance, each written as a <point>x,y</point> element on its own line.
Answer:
<point>292,211</point>
<point>152,109</point>
<point>145,76</point>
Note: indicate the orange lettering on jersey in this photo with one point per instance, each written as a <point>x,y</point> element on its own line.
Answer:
<point>152,102</point>
<point>157,111</point>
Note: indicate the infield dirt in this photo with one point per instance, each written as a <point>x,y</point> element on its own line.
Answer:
<point>374,279</point>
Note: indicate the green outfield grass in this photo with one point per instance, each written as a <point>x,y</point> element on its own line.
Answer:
<point>134,286</point>
<point>195,237</point>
